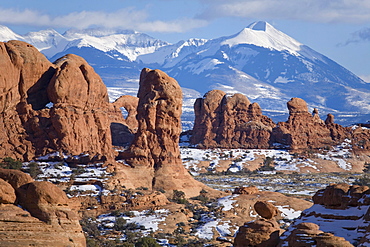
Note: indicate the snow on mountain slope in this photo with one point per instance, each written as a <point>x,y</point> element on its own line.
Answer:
<point>264,35</point>
<point>129,43</point>
<point>7,34</point>
<point>168,56</point>
<point>49,42</point>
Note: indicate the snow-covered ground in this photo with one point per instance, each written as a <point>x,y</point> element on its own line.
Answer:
<point>282,159</point>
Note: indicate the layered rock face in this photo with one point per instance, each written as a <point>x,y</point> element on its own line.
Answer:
<point>47,107</point>
<point>340,209</point>
<point>229,122</point>
<point>48,221</point>
<point>154,153</point>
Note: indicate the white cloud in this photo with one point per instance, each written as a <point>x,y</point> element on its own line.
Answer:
<point>341,11</point>
<point>127,18</point>
<point>366,78</point>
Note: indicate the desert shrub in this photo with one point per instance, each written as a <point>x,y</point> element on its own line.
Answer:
<point>267,164</point>
<point>115,213</point>
<point>367,168</point>
<point>120,224</point>
<point>179,197</point>
<point>363,181</point>
<point>129,214</point>
<point>79,170</point>
<point>34,169</point>
<point>90,227</point>
<point>10,163</point>
<point>146,242</point>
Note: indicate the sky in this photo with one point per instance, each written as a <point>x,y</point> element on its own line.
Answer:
<point>339,29</point>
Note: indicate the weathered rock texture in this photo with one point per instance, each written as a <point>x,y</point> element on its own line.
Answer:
<point>47,107</point>
<point>154,154</point>
<point>261,233</point>
<point>229,122</point>
<point>340,209</point>
<point>48,221</point>
<point>266,209</point>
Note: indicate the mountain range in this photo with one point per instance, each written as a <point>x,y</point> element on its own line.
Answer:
<point>263,63</point>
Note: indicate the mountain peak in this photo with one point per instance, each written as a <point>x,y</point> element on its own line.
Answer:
<point>263,34</point>
<point>259,26</point>
<point>7,34</point>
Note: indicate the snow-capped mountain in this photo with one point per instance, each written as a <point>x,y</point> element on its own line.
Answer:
<point>260,61</point>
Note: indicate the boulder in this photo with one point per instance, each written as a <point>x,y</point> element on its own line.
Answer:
<point>15,178</point>
<point>45,201</point>
<point>246,190</point>
<point>266,209</point>
<point>7,193</point>
<point>261,233</point>
<point>44,218</point>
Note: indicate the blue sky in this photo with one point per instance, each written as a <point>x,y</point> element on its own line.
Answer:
<point>339,29</point>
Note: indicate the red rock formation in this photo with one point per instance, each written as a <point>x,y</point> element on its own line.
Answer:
<point>302,130</point>
<point>266,209</point>
<point>7,193</point>
<point>15,178</point>
<point>246,190</point>
<point>340,209</point>
<point>25,74</point>
<point>261,233</point>
<point>123,129</point>
<point>52,223</point>
<point>308,234</point>
<point>342,196</point>
<point>130,104</point>
<point>229,122</point>
<point>78,120</point>
<point>79,115</point>
<point>154,153</point>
